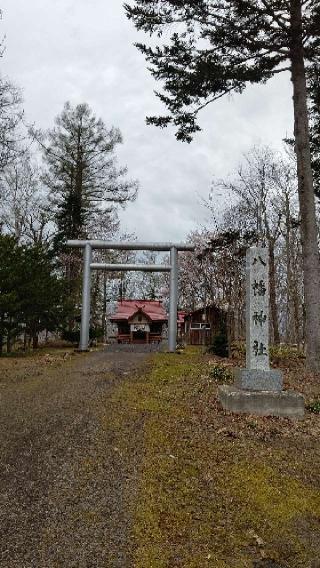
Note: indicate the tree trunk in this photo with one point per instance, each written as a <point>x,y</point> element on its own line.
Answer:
<point>35,340</point>
<point>9,335</point>
<point>273,299</point>
<point>309,237</point>
<point>296,300</point>
<point>9,342</point>
<point>104,307</point>
<point>289,314</point>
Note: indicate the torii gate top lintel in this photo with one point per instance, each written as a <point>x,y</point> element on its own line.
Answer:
<point>89,245</point>
<point>160,247</point>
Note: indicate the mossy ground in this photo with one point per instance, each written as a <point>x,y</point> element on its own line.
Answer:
<point>214,489</point>
<point>201,488</point>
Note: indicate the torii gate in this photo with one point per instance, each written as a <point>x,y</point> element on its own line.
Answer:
<point>89,245</point>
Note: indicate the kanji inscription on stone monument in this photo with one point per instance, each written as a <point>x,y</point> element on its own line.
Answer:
<point>258,389</point>
<point>257,308</point>
<point>257,375</point>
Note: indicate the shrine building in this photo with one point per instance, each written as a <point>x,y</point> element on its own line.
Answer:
<point>140,321</point>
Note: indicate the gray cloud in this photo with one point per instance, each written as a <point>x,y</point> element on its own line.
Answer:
<point>82,50</point>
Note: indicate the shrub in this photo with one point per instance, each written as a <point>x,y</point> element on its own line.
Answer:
<point>96,333</point>
<point>71,335</point>
<point>219,345</point>
<point>74,335</point>
<point>314,407</point>
<point>220,374</point>
<point>237,349</point>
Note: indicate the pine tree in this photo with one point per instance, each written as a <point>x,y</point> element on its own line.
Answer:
<point>32,297</point>
<point>11,280</point>
<point>82,173</point>
<point>44,303</point>
<point>218,47</point>
<point>314,95</point>
<point>85,183</point>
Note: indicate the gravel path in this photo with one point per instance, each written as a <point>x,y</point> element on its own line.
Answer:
<point>65,488</point>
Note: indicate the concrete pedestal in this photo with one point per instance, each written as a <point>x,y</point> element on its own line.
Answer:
<point>287,404</point>
<point>258,379</point>
<point>258,389</point>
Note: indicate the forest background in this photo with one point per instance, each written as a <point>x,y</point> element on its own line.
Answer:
<point>67,183</point>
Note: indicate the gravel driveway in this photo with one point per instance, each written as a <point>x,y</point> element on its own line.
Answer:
<point>66,491</point>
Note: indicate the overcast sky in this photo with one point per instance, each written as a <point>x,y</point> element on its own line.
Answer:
<point>82,51</point>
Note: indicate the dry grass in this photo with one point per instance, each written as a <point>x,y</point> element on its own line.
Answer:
<point>212,490</point>
<point>220,490</point>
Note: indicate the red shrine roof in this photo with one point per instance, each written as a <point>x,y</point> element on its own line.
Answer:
<point>153,309</point>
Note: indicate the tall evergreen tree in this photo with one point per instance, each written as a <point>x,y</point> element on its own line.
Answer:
<point>44,303</point>
<point>82,173</point>
<point>11,281</point>
<point>85,182</point>
<point>218,47</point>
<point>314,92</point>
<point>32,296</point>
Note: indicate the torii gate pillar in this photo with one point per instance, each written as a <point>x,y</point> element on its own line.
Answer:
<point>173,306</point>
<point>88,266</point>
<point>86,289</point>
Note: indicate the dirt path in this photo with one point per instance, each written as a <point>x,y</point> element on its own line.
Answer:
<point>65,488</point>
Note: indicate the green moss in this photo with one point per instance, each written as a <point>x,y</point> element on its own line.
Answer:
<point>277,499</point>
<point>314,406</point>
<point>202,495</point>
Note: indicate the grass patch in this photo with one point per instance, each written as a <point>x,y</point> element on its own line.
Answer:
<point>216,490</point>
<point>37,353</point>
<point>15,354</point>
<point>285,353</point>
<point>221,374</point>
<point>314,406</point>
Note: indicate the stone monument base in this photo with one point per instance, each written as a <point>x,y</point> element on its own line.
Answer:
<point>258,379</point>
<point>287,404</point>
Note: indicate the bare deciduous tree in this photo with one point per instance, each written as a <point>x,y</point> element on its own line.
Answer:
<point>24,208</point>
<point>11,114</point>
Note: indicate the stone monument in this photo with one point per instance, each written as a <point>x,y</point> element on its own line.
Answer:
<point>258,388</point>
